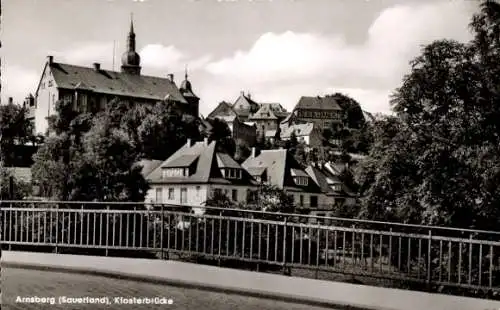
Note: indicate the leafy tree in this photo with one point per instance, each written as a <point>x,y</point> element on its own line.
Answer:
<point>352,117</point>
<point>15,129</point>
<point>221,132</point>
<point>11,187</point>
<point>270,198</point>
<point>439,162</point>
<point>107,170</point>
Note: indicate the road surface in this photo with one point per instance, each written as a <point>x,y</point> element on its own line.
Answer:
<point>33,283</point>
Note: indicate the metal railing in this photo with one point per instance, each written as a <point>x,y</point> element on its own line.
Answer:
<point>410,253</point>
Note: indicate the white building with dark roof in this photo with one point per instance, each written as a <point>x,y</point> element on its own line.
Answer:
<point>279,168</point>
<point>91,88</point>
<point>194,173</point>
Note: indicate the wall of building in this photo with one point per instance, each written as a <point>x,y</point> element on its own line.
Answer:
<point>320,118</point>
<point>197,194</point>
<point>244,132</point>
<point>45,100</point>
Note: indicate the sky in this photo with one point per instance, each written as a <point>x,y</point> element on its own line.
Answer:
<point>276,50</point>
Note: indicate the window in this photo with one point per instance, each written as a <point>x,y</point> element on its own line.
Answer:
<point>234,195</point>
<point>301,201</point>
<point>159,198</point>
<point>50,83</point>
<point>217,192</point>
<point>198,191</point>
<point>171,194</point>
<point>303,181</point>
<point>183,195</point>
<point>314,201</point>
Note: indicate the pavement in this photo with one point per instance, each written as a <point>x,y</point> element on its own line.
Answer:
<point>229,281</point>
<point>50,284</point>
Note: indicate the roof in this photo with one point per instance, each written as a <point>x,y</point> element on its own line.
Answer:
<point>114,83</point>
<point>278,164</point>
<point>300,130</point>
<point>225,161</point>
<point>319,103</point>
<point>148,166</point>
<point>277,108</point>
<point>265,112</point>
<point>256,171</point>
<point>185,160</point>
<point>325,180</point>
<point>244,105</point>
<point>207,163</point>
<point>298,173</point>
<point>222,109</point>
<point>272,160</point>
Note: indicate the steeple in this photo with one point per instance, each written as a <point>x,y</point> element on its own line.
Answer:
<point>130,59</point>
<point>186,85</point>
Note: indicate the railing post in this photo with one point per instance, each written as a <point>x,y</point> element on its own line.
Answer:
<point>57,226</point>
<point>107,230</point>
<point>429,261</point>
<point>162,231</point>
<point>284,246</point>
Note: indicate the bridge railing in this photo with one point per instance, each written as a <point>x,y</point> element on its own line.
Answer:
<point>433,257</point>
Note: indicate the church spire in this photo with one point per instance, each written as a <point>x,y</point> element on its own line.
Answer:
<point>130,59</point>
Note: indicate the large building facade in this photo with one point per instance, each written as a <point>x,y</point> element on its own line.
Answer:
<point>91,88</point>
<point>324,112</point>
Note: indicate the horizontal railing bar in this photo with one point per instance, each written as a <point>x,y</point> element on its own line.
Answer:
<point>304,216</point>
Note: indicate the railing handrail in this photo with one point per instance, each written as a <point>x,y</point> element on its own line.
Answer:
<point>305,216</point>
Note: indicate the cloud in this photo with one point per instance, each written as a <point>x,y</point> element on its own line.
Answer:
<point>155,58</point>
<point>317,63</point>
<point>16,80</point>
<point>86,53</point>
<point>160,57</point>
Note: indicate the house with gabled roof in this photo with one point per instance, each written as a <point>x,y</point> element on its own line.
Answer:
<point>91,88</point>
<point>194,173</point>
<point>241,131</point>
<point>322,111</point>
<point>334,192</point>
<point>279,168</point>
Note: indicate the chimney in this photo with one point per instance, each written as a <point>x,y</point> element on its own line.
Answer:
<point>253,152</point>
<point>188,143</point>
<point>11,100</point>
<point>242,93</point>
<point>50,59</point>
<point>249,95</point>
<point>97,66</point>
<point>170,77</point>
<point>205,140</point>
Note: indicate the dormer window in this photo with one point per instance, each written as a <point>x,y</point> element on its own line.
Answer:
<point>231,173</point>
<point>336,187</point>
<point>300,177</point>
<point>175,172</point>
<point>302,181</point>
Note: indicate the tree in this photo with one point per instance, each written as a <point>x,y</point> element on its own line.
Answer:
<point>15,129</point>
<point>270,198</point>
<point>13,188</point>
<point>440,163</point>
<point>221,133</point>
<point>352,116</point>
